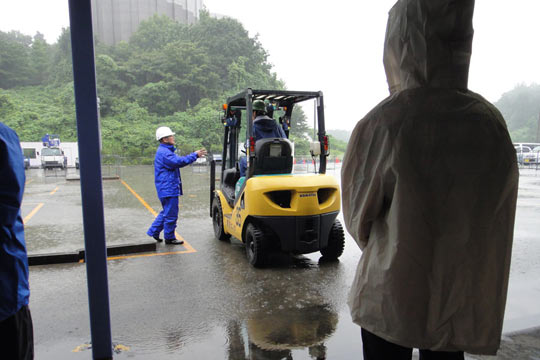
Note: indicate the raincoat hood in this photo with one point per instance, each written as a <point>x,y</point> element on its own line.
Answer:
<point>428,43</point>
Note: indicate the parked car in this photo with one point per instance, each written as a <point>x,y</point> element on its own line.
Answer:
<point>26,162</point>
<point>520,150</point>
<point>52,157</point>
<point>200,161</point>
<point>532,157</point>
<point>217,158</point>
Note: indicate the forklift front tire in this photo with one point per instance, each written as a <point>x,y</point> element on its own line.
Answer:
<point>255,246</point>
<point>217,220</point>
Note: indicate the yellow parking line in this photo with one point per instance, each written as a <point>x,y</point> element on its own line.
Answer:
<point>189,248</point>
<point>152,254</point>
<point>139,198</point>
<point>55,190</point>
<point>28,181</point>
<point>32,213</point>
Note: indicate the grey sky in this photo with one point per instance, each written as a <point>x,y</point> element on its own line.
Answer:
<point>336,46</point>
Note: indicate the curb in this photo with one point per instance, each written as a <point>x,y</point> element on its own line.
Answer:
<point>77,256</point>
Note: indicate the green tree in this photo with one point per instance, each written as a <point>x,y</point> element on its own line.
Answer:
<point>158,98</point>
<point>188,68</point>
<point>62,69</point>
<point>109,82</point>
<point>40,60</point>
<point>6,106</point>
<point>227,40</point>
<point>155,33</point>
<point>14,65</point>
<point>167,74</point>
<point>520,108</point>
<point>299,126</point>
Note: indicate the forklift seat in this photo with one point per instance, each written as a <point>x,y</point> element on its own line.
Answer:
<point>273,156</point>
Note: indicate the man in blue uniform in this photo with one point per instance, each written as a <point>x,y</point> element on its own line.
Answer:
<point>263,127</point>
<point>16,332</point>
<point>169,184</point>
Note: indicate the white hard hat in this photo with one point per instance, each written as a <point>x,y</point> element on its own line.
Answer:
<point>162,132</point>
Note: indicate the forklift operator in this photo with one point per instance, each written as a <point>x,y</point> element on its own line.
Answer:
<point>263,127</point>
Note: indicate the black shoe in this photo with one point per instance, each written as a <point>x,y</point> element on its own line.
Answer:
<point>173,242</point>
<point>156,237</point>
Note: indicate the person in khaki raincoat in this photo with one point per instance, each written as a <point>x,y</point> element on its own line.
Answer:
<point>429,184</point>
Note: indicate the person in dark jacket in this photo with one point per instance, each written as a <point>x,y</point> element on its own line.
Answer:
<point>168,184</point>
<point>16,330</point>
<point>435,225</point>
<point>263,127</point>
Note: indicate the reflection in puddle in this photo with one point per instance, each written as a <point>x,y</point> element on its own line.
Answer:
<point>275,336</point>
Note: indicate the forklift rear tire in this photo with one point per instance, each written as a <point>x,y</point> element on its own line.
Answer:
<point>255,246</point>
<point>336,242</point>
<point>217,220</point>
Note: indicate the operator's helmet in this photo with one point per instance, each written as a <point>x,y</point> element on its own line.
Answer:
<point>258,105</point>
<point>163,132</point>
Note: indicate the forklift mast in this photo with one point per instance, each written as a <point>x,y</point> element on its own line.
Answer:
<point>233,123</point>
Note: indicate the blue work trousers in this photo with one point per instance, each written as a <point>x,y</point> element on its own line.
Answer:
<point>166,219</point>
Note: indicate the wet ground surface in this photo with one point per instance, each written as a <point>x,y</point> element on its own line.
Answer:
<point>204,300</point>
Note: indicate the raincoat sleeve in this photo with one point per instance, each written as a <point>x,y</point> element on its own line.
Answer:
<point>364,178</point>
<point>174,161</point>
<point>11,163</point>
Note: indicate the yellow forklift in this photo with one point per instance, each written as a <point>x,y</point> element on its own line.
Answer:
<point>273,209</point>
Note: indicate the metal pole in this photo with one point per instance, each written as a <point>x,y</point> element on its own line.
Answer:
<point>249,123</point>
<point>84,76</point>
<point>212,183</point>
<point>322,132</point>
<point>315,120</point>
<point>538,130</point>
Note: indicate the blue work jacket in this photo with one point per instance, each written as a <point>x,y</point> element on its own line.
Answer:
<point>265,127</point>
<point>14,289</point>
<point>166,170</point>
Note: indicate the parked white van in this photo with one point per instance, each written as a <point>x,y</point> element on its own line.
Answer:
<point>52,157</point>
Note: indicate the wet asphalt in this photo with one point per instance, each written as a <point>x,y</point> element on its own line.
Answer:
<point>203,300</point>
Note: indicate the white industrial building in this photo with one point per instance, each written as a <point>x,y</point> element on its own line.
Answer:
<point>116,20</point>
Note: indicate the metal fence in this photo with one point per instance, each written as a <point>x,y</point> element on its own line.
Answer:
<point>111,166</point>
<point>307,164</point>
<point>301,164</point>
